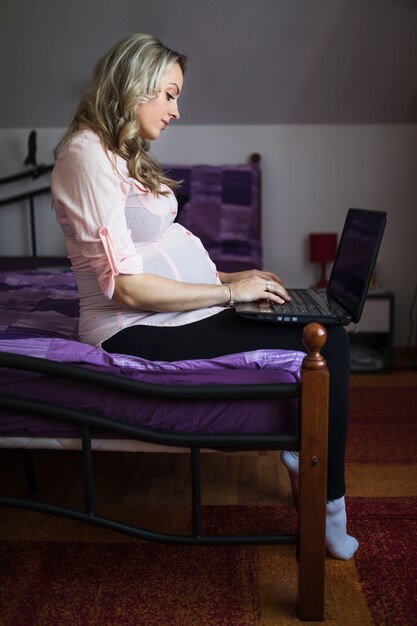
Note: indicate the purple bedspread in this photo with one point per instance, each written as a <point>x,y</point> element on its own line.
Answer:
<point>39,317</point>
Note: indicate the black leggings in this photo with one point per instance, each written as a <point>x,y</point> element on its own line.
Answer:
<point>226,333</point>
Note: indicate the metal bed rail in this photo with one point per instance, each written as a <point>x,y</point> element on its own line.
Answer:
<point>194,441</point>
<point>21,197</point>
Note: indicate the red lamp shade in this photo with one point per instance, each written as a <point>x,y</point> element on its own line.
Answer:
<point>323,250</point>
<point>323,247</point>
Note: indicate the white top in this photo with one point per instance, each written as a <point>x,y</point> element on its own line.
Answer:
<point>112,225</point>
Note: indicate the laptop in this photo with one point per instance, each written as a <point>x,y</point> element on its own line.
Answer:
<point>343,300</point>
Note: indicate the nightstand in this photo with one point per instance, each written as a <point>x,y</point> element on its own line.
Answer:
<point>372,338</point>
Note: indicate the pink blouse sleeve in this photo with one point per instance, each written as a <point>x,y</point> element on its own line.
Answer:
<point>89,198</point>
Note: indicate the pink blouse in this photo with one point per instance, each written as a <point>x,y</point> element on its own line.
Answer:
<point>113,225</point>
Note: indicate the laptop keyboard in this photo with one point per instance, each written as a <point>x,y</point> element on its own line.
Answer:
<point>302,301</point>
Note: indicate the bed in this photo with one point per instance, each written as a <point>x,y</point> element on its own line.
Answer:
<point>56,392</point>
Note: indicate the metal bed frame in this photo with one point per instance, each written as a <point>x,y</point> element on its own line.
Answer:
<point>33,170</point>
<point>310,439</point>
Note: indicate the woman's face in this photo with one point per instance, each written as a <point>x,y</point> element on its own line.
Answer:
<point>154,116</point>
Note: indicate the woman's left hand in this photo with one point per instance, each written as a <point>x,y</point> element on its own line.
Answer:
<point>232,277</point>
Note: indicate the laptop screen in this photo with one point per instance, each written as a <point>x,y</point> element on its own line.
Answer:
<point>355,261</point>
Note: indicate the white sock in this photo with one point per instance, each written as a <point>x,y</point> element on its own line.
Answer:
<point>338,542</point>
<point>290,460</point>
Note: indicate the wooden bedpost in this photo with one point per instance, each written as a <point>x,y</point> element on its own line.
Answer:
<point>313,476</point>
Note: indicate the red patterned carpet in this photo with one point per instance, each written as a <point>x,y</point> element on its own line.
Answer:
<point>109,584</point>
<point>57,572</point>
<point>383,426</point>
<point>382,464</point>
<point>387,559</point>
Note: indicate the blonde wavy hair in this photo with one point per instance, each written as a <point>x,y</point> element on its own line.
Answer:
<point>128,75</point>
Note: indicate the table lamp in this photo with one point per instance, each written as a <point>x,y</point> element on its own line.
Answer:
<point>323,250</point>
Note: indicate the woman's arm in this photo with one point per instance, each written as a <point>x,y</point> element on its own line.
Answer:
<point>89,196</point>
<point>149,292</point>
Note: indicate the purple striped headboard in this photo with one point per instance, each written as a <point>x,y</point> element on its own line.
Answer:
<point>221,206</point>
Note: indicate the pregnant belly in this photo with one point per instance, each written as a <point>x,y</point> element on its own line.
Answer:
<point>180,256</point>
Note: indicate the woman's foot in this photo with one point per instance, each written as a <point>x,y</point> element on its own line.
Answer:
<point>290,460</point>
<point>338,542</point>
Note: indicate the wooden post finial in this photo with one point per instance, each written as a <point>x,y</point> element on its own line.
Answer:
<point>314,337</point>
